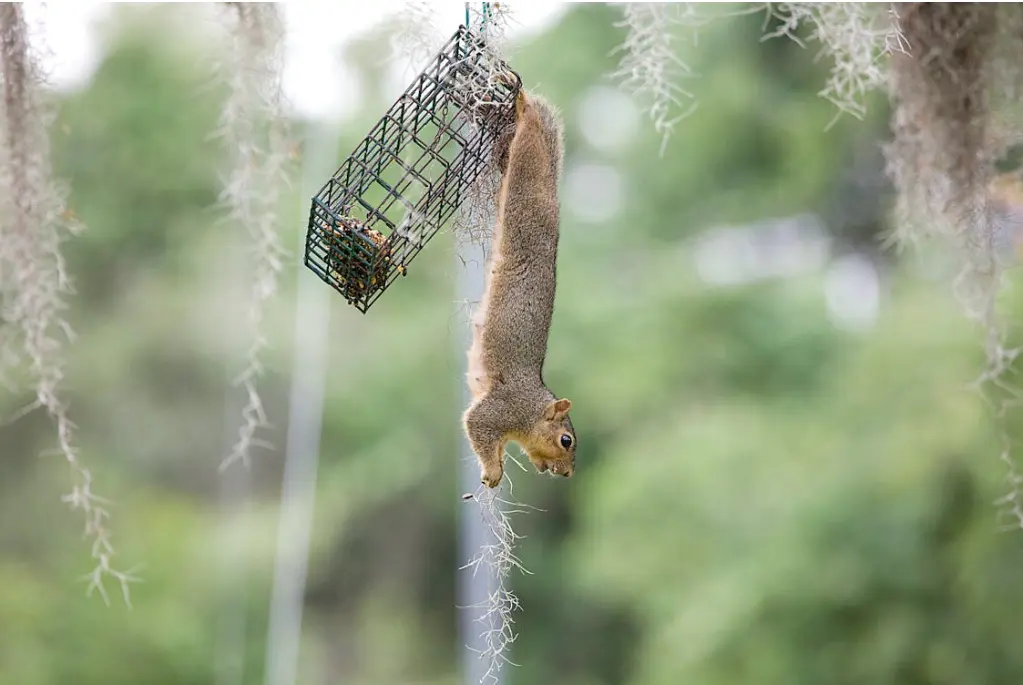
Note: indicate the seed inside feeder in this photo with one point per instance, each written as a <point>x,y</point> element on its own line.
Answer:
<point>360,257</point>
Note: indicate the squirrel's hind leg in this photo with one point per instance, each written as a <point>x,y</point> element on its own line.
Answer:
<point>482,423</point>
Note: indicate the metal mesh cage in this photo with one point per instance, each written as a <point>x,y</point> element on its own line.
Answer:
<point>411,172</point>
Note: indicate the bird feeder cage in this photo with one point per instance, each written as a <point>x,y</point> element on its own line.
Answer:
<point>411,172</point>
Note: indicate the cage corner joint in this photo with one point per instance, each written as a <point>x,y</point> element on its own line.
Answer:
<point>411,172</point>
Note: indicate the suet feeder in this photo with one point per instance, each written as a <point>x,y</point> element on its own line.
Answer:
<point>411,172</point>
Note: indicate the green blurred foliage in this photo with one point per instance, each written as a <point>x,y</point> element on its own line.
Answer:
<point>762,496</point>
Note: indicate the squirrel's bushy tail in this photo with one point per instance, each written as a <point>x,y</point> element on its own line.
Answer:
<point>553,131</point>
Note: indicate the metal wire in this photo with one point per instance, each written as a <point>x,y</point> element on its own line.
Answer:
<point>411,171</point>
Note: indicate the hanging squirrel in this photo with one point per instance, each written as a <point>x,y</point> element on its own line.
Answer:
<point>511,402</point>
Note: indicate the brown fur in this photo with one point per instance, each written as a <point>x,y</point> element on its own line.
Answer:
<point>512,324</point>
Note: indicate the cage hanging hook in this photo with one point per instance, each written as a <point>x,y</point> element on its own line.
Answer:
<point>484,16</point>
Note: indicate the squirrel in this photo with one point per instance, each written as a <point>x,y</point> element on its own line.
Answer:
<point>511,402</point>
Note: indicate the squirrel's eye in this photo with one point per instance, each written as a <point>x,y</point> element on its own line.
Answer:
<point>566,441</point>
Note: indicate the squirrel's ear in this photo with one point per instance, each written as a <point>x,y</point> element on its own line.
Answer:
<point>558,408</point>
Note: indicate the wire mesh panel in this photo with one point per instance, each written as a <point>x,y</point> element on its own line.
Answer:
<point>411,172</point>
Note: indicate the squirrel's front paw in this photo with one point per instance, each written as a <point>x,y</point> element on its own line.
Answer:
<point>491,475</point>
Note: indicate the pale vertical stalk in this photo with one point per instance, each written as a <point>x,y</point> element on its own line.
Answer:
<point>34,222</point>
<point>312,342</point>
<point>486,536</point>
<point>474,536</point>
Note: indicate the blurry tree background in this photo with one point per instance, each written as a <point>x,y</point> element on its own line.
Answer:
<point>783,475</point>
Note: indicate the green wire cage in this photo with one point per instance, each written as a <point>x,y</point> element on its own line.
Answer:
<point>411,172</point>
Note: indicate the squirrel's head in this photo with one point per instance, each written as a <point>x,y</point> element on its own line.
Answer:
<point>550,445</point>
